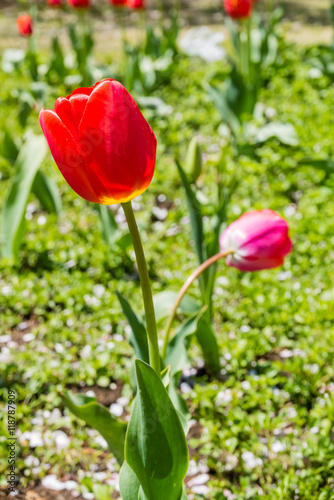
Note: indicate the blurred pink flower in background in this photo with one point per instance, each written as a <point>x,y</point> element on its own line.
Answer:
<point>259,240</point>
<point>79,4</point>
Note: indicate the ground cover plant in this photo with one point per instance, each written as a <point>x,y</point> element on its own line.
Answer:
<point>261,427</point>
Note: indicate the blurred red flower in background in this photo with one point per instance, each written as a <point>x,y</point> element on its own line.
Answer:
<point>79,4</point>
<point>238,9</point>
<point>24,25</point>
<point>117,2</point>
<point>136,4</point>
<point>55,3</point>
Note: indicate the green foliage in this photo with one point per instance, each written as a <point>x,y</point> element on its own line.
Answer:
<point>98,417</point>
<point>128,483</point>
<point>138,339</point>
<point>193,166</point>
<point>82,44</point>
<point>27,164</point>
<point>155,445</point>
<point>152,65</point>
<point>274,329</point>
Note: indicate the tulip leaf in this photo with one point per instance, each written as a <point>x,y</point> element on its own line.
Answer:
<point>109,225</point>
<point>9,148</point>
<point>27,164</point>
<point>142,495</point>
<point>285,133</point>
<point>195,215</point>
<point>208,342</point>
<point>164,301</point>
<point>177,358</point>
<point>177,350</point>
<point>47,193</point>
<point>325,164</point>
<point>102,491</point>
<point>129,484</point>
<point>98,417</point>
<point>138,339</point>
<point>156,447</point>
<point>57,66</point>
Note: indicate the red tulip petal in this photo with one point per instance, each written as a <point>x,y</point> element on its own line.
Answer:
<point>64,110</point>
<point>82,90</point>
<point>66,155</point>
<point>78,103</point>
<point>118,144</point>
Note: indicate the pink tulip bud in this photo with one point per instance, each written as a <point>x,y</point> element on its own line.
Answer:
<point>258,240</point>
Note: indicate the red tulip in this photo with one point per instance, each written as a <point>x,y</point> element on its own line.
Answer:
<point>238,9</point>
<point>55,3</point>
<point>24,25</point>
<point>136,4</point>
<point>117,3</point>
<point>79,4</point>
<point>258,240</point>
<point>101,142</point>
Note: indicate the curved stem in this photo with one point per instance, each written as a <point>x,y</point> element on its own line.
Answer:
<point>184,290</point>
<point>153,346</point>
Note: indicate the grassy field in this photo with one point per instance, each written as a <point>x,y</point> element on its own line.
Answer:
<point>264,428</point>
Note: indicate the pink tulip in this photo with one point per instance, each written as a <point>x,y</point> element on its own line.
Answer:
<point>258,240</point>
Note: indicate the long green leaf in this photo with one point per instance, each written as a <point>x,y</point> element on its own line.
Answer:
<point>109,225</point>
<point>129,484</point>
<point>325,164</point>
<point>9,148</point>
<point>98,417</point>
<point>156,447</point>
<point>177,358</point>
<point>164,301</point>
<point>47,192</point>
<point>177,351</point>
<point>27,164</point>
<point>138,339</point>
<point>195,215</point>
<point>208,342</point>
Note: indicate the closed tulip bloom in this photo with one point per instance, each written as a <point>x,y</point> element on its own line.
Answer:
<point>79,4</point>
<point>117,3</point>
<point>55,3</point>
<point>136,4</point>
<point>24,25</point>
<point>258,240</point>
<point>101,142</point>
<point>238,9</point>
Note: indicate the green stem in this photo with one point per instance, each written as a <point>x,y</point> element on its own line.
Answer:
<point>184,290</point>
<point>146,288</point>
<point>249,47</point>
<point>243,51</point>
